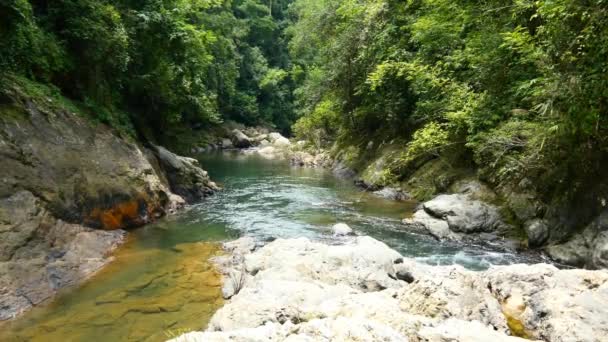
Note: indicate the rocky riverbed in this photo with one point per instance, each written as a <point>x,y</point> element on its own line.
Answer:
<point>361,290</point>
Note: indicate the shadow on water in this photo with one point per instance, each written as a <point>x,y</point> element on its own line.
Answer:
<point>162,283</point>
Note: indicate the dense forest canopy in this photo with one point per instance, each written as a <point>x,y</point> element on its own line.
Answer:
<point>518,86</point>
<point>165,62</point>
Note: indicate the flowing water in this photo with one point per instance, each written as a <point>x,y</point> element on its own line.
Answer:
<point>162,283</point>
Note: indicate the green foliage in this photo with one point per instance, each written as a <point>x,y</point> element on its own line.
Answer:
<point>518,82</point>
<point>169,63</point>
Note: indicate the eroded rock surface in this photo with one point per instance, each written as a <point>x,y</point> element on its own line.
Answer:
<point>298,290</point>
<point>40,254</point>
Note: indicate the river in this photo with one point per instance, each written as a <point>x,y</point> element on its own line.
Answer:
<point>162,283</point>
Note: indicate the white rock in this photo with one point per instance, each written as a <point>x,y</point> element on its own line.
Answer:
<point>341,229</point>
<point>300,290</point>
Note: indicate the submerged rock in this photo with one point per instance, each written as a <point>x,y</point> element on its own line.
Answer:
<point>298,290</point>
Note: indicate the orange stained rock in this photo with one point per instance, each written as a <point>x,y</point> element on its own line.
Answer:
<point>119,216</point>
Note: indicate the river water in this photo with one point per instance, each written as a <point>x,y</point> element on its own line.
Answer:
<point>162,283</point>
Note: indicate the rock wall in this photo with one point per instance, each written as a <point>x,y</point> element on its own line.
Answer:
<point>67,188</point>
<point>298,290</point>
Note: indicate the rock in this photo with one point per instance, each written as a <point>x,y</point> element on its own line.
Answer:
<point>342,171</point>
<point>474,189</point>
<point>392,194</point>
<point>302,159</point>
<point>274,136</point>
<point>269,152</point>
<point>227,144</point>
<point>587,249</point>
<point>41,255</point>
<point>186,177</point>
<point>422,222</point>
<point>83,172</point>
<point>176,203</point>
<point>240,140</point>
<point>281,142</point>
<point>537,231</point>
<point>404,274</point>
<point>342,229</point>
<point>299,290</point>
<point>60,173</point>
<point>464,215</point>
<point>523,205</point>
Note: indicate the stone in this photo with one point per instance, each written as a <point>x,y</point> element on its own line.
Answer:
<point>537,231</point>
<point>240,140</point>
<point>342,229</point>
<point>392,194</point>
<point>274,136</point>
<point>588,248</point>
<point>186,178</point>
<point>281,142</point>
<point>300,290</point>
<point>422,222</point>
<point>41,255</point>
<point>227,144</point>
<point>464,215</point>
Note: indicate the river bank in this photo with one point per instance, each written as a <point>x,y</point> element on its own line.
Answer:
<point>298,290</point>
<point>69,189</point>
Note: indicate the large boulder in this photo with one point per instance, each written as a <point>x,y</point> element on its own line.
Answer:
<point>297,290</point>
<point>537,231</point>
<point>240,140</point>
<point>464,215</point>
<point>82,172</point>
<point>185,175</point>
<point>457,217</point>
<point>586,249</point>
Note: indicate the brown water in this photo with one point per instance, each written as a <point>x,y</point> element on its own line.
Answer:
<point>146,294</point>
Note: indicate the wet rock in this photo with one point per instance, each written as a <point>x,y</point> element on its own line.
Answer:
<point>186,178</point>
<point>342,229</point>
<point>240,140</point>
<point>392,194</point>
<point>537,231</point>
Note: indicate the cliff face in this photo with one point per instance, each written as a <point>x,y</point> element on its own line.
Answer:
<point>67,188</point>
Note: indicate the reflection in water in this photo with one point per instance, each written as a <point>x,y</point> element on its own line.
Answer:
<point>162,282</point>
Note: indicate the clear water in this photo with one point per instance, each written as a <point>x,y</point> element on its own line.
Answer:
<point>269,199</point>
<point>162,282</point>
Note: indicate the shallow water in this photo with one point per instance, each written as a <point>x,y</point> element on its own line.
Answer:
<point>162,283</point>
